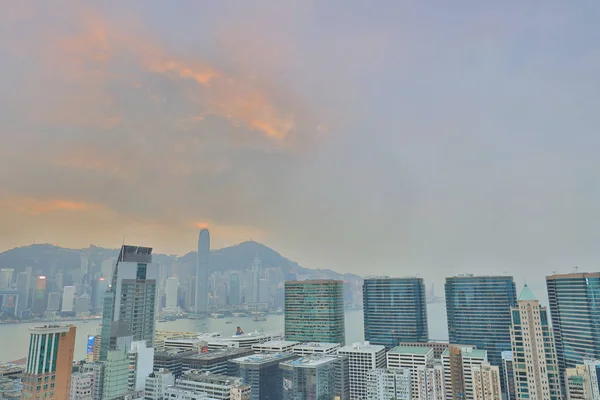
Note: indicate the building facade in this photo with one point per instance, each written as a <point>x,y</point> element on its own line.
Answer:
<point>412,359</point>
<point>130,303</point>
<point>582,381</point>
<point>49,362</point>
<point>478,311</point>
<point>386,384</point>
<point>486,382</point>
<point>314,311</point>
<point>575,311</point>
<point>262,373</point>
<point>313,378</point>
<point>395,311</point>
<point>534,356</point>
<point>509,375</point>
<point>362,358</point>
<point>82,386</point>
<point>458,363</point>
<point>157,383</point>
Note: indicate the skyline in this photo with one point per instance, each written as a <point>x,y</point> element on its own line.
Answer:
<point>385,139</point>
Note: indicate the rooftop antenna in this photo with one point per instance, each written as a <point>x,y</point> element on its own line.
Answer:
<point>575,269</point>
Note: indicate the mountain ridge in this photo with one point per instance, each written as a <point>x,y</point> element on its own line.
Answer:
<point>47,259</point>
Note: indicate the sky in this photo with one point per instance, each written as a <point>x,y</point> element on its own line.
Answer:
<point>389,138</point>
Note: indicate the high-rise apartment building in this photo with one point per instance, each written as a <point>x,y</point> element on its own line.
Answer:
<point>411,358</point>
<point>386,384</point>
<point>262,373</point>
<point>82,386</point>
<point>534,355</point>
<point>49,363</point>
<point>362,358</point>
<point>509,375</point>
<point>315,377</point>
<point>395,311</point>
<point>486,382</point>
<point>458,362</point>
<point>202,272</point>
<point>582,381</point>
<point>478,310</point>
<point>575,312</point>
<point>130,302</point>
<point>314,311</point>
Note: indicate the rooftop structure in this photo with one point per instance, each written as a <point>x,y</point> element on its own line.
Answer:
<point>316,348</point>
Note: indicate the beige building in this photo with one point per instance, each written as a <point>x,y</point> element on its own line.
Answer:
<point>486,382</point>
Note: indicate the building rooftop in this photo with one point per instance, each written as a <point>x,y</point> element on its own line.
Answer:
<point>262,358</point>
<point>315,282</point>
<point>526,294</point>
<point>469,352</point>
<point>412,350</point>
<point>317,345</point>
<point>50,329</point>
<point>574,275</point>
<point>212,354</point>
<point>362,348</point>
<point>276,343</point>
<point>199,376</point>
<point>310,361</point>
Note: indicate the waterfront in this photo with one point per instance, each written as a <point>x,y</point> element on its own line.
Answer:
<point>16,336</point>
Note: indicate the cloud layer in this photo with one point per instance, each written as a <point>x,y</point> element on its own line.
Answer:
<point>384,140</point>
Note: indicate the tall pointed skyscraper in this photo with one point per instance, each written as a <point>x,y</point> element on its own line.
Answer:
<point>202,272</point>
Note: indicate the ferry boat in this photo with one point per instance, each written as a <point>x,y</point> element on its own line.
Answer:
<point>217,315</point>
<point>260,317</point>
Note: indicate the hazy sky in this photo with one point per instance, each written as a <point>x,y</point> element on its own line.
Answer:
<point>382,137</point>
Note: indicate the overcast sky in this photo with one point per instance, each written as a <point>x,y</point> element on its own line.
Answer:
<point>385,137</point>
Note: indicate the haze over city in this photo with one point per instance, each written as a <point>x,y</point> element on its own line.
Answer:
<point>372,138</point>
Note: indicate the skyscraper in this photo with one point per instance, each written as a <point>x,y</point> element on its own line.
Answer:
<point>509,375</point>
<point>49,362</point>
<point>202,272</point>
<point>39,298</point>
<point>6,277</point>
<point>130,302</point>
<point>314,311</point>
<point>171,292</point>
<point>574,301</point>
<point>23,289</point>
<point>534,355</point>
<point>395,311</point>
<point>478,309</point>
<point>458,363</point>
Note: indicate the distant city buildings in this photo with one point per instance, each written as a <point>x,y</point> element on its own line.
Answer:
<point>534,361</point>
<point>314,311</point>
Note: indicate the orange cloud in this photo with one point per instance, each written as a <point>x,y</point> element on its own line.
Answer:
<point>33,206</point>
<point>201,225</point>
<point>83,60</point>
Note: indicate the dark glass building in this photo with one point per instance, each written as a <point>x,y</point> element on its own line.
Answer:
<point>479,313</point>
<point>262,373</point>
<point>575,311</point>
<point>395,311</point>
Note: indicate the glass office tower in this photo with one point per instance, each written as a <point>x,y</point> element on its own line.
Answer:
<point>479,313</point>
<point>575,311</point>
<point>314,311</point>
<point>395,311</point>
